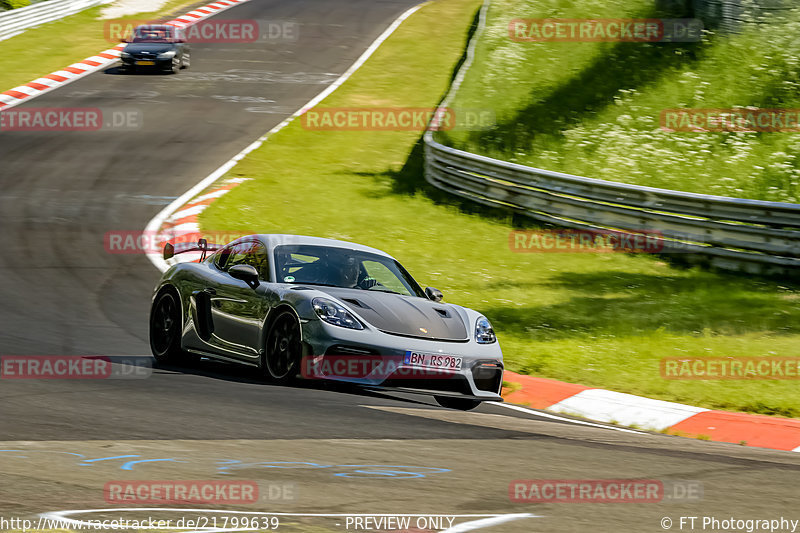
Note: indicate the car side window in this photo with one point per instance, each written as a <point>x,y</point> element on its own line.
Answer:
<point>221,258</point>
<point>248,253</point>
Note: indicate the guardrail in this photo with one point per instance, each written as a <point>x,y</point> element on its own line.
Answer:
<point>16,21</point>
<point>736,234</point>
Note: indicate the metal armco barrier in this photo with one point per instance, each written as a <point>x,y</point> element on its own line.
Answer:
<point>751,236</point>
<point>16,21</point>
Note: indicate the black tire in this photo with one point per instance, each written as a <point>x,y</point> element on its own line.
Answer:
<point>186,61</point>
<point>165,328</point>
<point>281,360</point>
<point>462,404</point>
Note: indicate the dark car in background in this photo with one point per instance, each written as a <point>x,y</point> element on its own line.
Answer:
<point>156,47</point>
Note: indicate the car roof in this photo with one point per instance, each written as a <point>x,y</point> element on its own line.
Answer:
<point>273,239</point>
<point>167,27</point>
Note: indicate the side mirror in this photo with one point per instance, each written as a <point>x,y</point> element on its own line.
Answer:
<point>169,251</point>
<point>434,294</point>
<point>246,273</point>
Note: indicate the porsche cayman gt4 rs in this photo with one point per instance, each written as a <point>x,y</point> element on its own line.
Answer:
<point>318,308</point>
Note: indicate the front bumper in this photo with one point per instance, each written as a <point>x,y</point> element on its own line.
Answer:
<point>159,64</point>
<point>379,362</point>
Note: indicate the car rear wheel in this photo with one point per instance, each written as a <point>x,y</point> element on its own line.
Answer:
<point>165,329</point>
<point>462,404</point>
<point>283,349</point>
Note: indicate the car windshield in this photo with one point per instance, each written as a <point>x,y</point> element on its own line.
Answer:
<point>341,267</point>
<point>152,35</point>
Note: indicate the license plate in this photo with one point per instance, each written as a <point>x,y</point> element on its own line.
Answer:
<point>432,360</point>
<point>146,63</point>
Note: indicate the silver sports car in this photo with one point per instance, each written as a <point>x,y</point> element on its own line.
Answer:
<point>323,309</point>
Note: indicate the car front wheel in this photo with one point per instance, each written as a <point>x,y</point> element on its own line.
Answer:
<point>283,349</point>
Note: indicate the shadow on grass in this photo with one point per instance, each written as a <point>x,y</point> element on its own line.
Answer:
<point>620,303</point>
<point>620,65</point>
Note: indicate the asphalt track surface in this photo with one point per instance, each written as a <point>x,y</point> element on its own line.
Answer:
<point>63,294</point>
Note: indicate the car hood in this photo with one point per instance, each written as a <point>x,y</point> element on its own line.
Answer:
<point>403,315</point>
<point>155,48</point>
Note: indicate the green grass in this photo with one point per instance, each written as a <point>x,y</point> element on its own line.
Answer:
<point>600,319</point>
<point>593,109</point>
<point>50,47</point>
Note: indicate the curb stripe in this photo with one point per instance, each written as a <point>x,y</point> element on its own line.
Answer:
<point>541,393</point>
<point>45,81</point>
<point>626,409</point>
<point>675,418</point>
<point>755,430</point>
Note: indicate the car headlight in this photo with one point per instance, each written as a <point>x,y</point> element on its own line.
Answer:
<point>125,55</point>
<point>167,55</point>
<point>484,333</point>
<point>335,314</point>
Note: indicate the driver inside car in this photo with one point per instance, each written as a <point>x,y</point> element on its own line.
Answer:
<point>351,274</point>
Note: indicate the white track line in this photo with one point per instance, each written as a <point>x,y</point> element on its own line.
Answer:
<point>155,224</point>
<point>483,520</point>
<point>564,419</point>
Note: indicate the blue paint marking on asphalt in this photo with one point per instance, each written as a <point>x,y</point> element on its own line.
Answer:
<point>129,464</point>
<point>225,466</point>
<point>236,464</point>
<point>383,470</point>
<point>40,451</point>
<point>86,462</point>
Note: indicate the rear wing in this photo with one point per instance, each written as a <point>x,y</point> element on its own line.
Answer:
<point>202,245</point>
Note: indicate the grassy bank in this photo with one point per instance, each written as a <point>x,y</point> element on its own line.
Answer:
<point>594,109</point>
<point>599,319</point>
<point>50,47</point>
